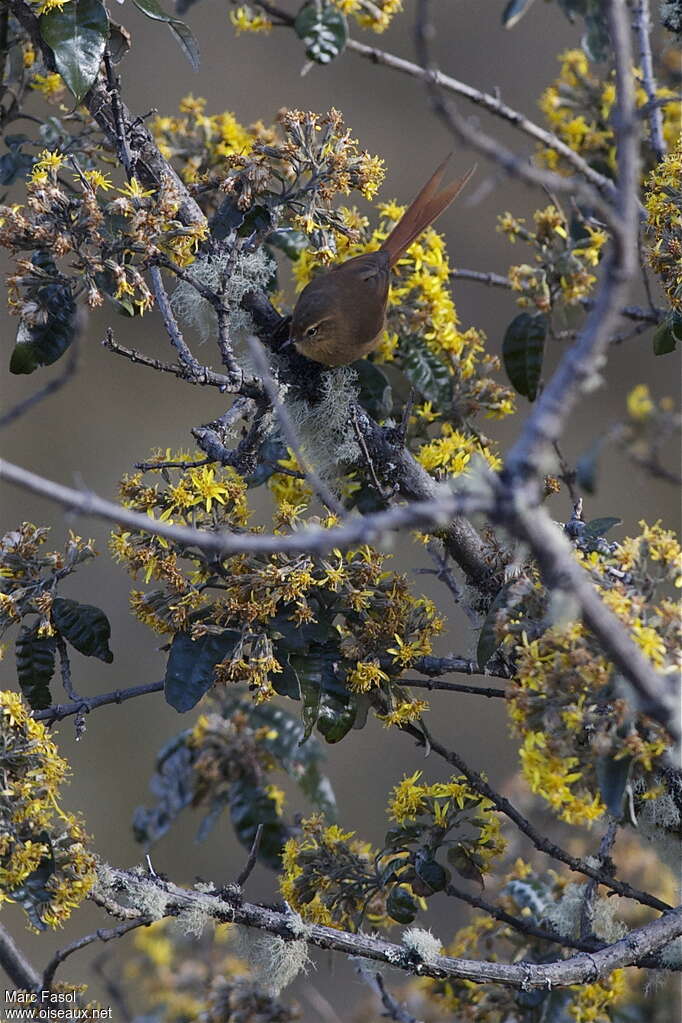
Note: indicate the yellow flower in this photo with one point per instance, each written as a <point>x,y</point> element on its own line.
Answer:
<point>365,675</point>
<point>134,190</point>
<point>639,403</point>
<point>246,20</point>
<point>98,180</point>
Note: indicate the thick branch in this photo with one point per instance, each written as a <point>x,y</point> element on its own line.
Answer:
<point>358,529</point>
<point>59,711</point>
<point>227,906</point>
<point>16,965</point>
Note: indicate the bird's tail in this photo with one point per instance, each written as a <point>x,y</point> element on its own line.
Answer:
<point>422,212</point>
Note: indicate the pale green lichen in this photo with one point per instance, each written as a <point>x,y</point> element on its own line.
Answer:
<point>243,271</point>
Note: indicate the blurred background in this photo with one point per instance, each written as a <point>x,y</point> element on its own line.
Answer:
<point>112,413</point>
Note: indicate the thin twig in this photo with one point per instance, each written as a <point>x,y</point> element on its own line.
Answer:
<point>469,134</point>
<point>59,711</point>
<point>99,935</point>
<point>67,682</point>
<point>204,376</point>
<point>70,367</point>
<point>187,360</point>
<point>655,113</point>
<point>543,844</point>
<point>246,870</point>
<point>453,687</point>
<point>603,853</point>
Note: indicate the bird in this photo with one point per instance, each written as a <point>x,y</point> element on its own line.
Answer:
<point>340,315</point>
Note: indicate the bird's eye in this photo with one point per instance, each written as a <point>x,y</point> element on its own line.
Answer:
<point>311,332</point>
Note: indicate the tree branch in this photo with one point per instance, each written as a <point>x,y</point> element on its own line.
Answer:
<point>654,113</point>
<point>227,906</point>
<point>426,514</point>
<point>16,965</point>
<point>59,711</point>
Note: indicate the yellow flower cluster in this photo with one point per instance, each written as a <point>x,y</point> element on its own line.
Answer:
<point>578,107</point>
<point>373,14</point>
<point>563,264</point>
<point>663,202</point>
<point>327,876</point>
<point>594,1003</point>
<point>376,619</point>
<point>37,834</point>
<point>201,141</point>
<point>564,701</point>
<point>245,19</point>
<point>442,803</point>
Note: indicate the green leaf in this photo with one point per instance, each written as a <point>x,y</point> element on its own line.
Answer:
<point>600,527</point>
<point>250,806</point>
<point>522,351</point>
<point>324,30</point>
<point>42,343</point>
<point>300,761</point>
<point>430,871</point>
<point>86,627</point>
<point>173,784</point>
<point>487,639</point>
<point>425,371</point>
<point>401,906</point>
<point>119,41</point>
<point>182,33</point>
<point>514,11</point>
<point>77,35</point>
<point>189,672</point>
<point>612,776</point>
<point>587,465</point>
<point>336,716</point>
<point>667,335</point>
<point>35,666</point>
<point>375,390</point>
<point>464,863</point>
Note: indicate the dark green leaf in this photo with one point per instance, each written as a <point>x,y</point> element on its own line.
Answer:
<point>287,240</point>
<point>487,638</point>
<point>35,666</point>
<point>173,785</point>
<point>514,11</point>
<point>667,335</point>
<point>336,716</point>
<point>430,871</point>
<point>119,42</point>
<point>375,391</point>
<point>249,807</point>
<point>77,35</point>
<point>402,834</point>
<point>86,627</point>
<point>189,672</point>
<point>522,351</point>
<point>600,527</point>
<point>286,682</point>
<point>41,344</point>
<point>462,860</point>
<point>612,776</point>
<point>299,761</point>
<point>227,218</point>
<point>324,30</point>
<point>401,906</point>
<point>425,371</point>
<point>587,465</point>
<point>183,35</point>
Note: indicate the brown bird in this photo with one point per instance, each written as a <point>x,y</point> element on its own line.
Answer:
<point>340,315</point>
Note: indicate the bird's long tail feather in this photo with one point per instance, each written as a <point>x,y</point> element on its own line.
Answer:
<point>422,211</point>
